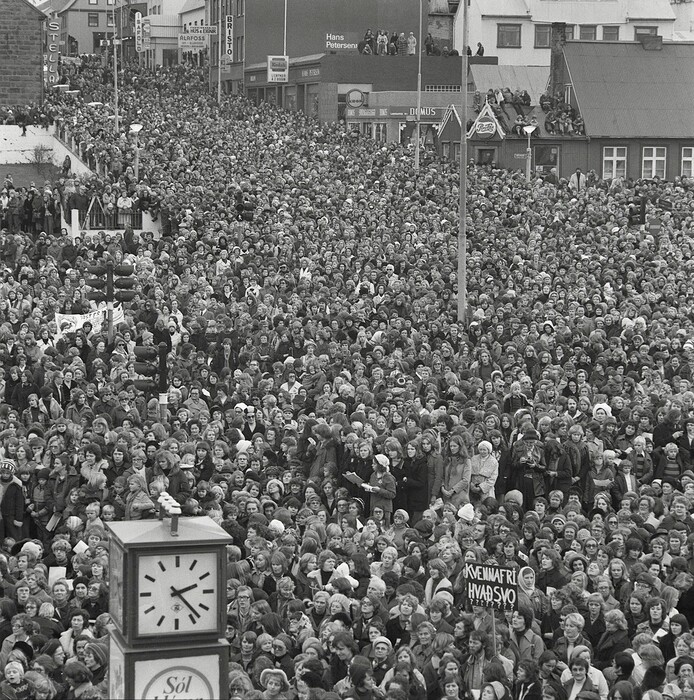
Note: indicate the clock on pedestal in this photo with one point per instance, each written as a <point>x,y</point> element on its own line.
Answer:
<point>168,605</point>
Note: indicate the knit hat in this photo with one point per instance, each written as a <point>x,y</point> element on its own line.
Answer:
<point>383,461</point>
<point>99,652</point>
<point>25,648</point>
<point>499,689</point>
<point>383,640</point>
<point>403,513</point>
<point>580,649</point>
<point>467,513</point>
<point>277,673</point>
<point>514,497</point>
<point>275,482</point>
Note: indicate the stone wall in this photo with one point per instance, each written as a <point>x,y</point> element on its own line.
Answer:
<point>21,53</point>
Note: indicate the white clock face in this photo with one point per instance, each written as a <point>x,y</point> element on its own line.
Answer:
<point>177,593</point>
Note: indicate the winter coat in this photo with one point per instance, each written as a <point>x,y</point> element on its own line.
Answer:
<point>385,492</point>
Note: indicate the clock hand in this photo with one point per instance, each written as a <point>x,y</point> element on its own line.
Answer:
<point>186,589</point>
<point>176,593</point>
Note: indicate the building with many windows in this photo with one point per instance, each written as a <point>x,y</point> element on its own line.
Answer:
<point>519,31</point>
<point>85,24</point>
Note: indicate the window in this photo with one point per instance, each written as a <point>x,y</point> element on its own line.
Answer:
<point>240,7</point>
<point>653,162</point>
<point>543,35</point>
<point>442,88</point>
<point>109,19</point>
<point>446,149</point>
<point>688,162</point>
<point>380,132</point>
<point>588,32</point>
<point>645,31</point>
<point>92,19</point>
<point>614,162</point>
<point>570,32</point>
<point>239,48</point>
<point>508,36</point>
<point>610,33</point>
<point>110,2</point>
<point>93,2</point>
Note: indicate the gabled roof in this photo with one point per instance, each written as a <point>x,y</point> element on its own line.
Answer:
<point>623,90</point>
<point>55,6</point>
<point>451,113</point>
<point>39,12</point>
<point>487,111</point>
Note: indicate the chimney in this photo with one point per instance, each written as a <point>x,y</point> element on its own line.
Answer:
<point>556,64</point>
<point>651,42</point>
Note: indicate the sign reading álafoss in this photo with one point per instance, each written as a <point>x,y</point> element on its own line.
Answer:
<point>491,586</point>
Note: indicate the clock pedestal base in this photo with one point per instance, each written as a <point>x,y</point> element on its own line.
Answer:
<point>174,672</point>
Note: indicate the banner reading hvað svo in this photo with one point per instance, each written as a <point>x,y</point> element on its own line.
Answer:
<point>490,586</point>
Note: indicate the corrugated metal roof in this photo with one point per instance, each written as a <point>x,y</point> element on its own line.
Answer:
<point>625,91</point>
<point>531,78</point>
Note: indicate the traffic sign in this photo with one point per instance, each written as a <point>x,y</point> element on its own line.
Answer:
<point>520,156</point>
<point>202,30</point>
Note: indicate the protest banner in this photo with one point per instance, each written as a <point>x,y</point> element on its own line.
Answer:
<point>69,323</point>
<point>491,586</point>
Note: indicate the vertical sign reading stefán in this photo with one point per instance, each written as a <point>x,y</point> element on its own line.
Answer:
<point>52,50</point>
<point>229,38</point>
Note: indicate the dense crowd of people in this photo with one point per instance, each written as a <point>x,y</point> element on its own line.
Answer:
<point>327,407</point>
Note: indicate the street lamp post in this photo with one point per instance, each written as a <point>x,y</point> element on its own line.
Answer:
<point>419,91</point>
<point>136,129</point>
<point>528,152</point>
<point>462,203</point>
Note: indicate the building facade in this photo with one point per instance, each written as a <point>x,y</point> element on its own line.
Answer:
<point>85,24</point>
<point>519,31</point>
<point>21,53</point>
<point>634,100</point>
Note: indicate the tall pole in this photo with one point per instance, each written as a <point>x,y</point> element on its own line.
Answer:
<point>219,52</point>
<point>115,79</point>
<point>109,301</point>
<point>528,159</point>
<point>419,90</point>
<point>284,42</point>
<point>137,157</point>
<point>462,224</point>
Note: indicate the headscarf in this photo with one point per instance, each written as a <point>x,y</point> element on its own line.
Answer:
<point>521,580</point>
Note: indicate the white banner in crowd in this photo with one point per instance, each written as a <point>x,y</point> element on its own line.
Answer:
<point>69,323</point>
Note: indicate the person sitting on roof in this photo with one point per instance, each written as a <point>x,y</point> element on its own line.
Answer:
<point>518,125</point>
<point>551,123</point>
<point>579,126</point>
